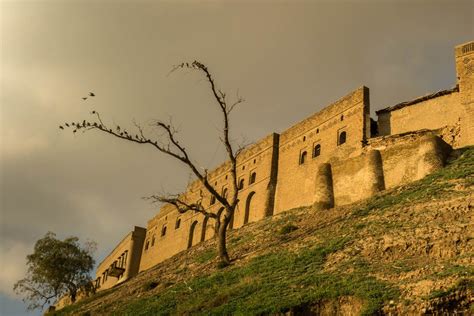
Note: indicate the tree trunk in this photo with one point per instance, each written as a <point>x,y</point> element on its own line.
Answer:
<point>72,294</point>
<point>222,240</point>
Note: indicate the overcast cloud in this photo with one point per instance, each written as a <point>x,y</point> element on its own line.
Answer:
<point>287,59</point>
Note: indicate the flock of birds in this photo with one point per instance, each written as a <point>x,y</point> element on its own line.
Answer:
<point>91,94</point>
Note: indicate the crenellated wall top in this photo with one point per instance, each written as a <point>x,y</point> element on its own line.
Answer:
<point>323,117</point>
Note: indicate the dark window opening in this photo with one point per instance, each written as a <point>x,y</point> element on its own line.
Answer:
<point>153,241</point>
<point>191,234</point>
<point>213,200</point>
<point>224,193</point>
<point>303,157</point>
<point>342,138</point>
<point>163,231</point>
<point>253,177</point>
<point>317,131</point>
<point>255,161</point>
<point>374,128</point>
<point>317,150</point>
<point>147,244</point>
<point>241,184</point>
<point>178,223</point>
<point>304,138</point>
<point>342,117</point>
<point>243,167</point>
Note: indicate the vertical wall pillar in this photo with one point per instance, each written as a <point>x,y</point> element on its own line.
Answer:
<point>130,257</point>
<point>272,183</point>
<point>465,74</point>
<point>324,192</point>
<point>375,171</point>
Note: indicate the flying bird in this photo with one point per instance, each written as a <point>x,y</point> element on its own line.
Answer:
<point>67,124</point>
<point>85,98</point>
<point>91,94</point>
<point>61,127</point>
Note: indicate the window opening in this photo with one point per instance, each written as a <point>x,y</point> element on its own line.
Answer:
<point>253,177</point>
<point>317,150</point>
<point>303,157</point>
<point>342,138</point>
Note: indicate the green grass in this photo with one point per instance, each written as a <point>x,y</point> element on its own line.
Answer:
<point>288,228</point>
<point>281,280</point>
<point>206,256</point>
<point>456,270</point>
<point>271,283</point>
<point>461,284</point>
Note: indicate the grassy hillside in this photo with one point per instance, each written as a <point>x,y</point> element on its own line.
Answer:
<point>408,250</point>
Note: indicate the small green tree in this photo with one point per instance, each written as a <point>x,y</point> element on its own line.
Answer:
<point>55,268</point>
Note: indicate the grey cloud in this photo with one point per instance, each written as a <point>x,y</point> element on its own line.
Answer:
<point>287,60</point>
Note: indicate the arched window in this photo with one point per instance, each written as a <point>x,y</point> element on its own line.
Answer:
<point>153,241</point>
<point>224,192</point>
<point>248,207</point>
<point>317,150</point>
<point>213,200</point>
<point>342,118</point>
<point>177,224</point>
<point>204,228</point>
<point>303,157</point>
<point>342,138</point>
<point>191,234</point>
<point>147,244</point>
<point>253,177</point>
<point>241,184</point>
<point>163,231</point>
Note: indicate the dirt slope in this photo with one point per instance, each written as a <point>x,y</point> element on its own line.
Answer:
<point>407,251</point>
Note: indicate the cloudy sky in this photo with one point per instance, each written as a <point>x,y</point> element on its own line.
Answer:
<point>288,59</point>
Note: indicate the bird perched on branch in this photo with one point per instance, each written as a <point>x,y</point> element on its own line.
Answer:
<point>91,94</point>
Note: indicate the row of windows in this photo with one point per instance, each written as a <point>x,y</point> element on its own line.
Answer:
<point>119,263</point>
<point>317,148</point>
<point>240,186</point>
<point>317,130</point>
<point>163,233</point>
<point>243,168</point>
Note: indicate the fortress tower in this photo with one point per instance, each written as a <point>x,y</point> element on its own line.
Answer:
<point>465,77</point>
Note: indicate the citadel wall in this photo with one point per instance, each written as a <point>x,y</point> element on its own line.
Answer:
<point>386,162</point>
<point>451,108</point>
<point>339,130</point>
<point>326,160</point>
<point>170,232</point>
<point>123,261</point>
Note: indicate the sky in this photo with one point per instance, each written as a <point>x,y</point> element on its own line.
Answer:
<point>287,59</point>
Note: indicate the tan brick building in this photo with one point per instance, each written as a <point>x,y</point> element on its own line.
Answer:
<point>333,157</point>
<point>123,261</point>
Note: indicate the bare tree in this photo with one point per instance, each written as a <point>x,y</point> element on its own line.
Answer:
<point>168,144</point>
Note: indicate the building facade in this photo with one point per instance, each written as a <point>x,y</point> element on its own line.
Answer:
<point>123,262</point>
<point>334,157</point>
